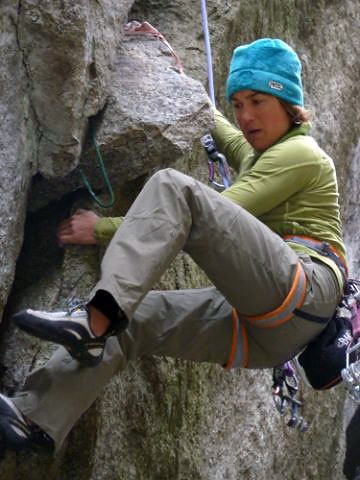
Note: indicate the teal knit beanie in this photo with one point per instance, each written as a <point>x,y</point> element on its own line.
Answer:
<point>266,65</point>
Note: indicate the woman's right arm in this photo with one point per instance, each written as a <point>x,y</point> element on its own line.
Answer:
<point>105,229</point>
<point>85,227</point>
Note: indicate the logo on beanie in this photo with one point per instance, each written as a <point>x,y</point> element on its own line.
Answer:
<point>275,85</point>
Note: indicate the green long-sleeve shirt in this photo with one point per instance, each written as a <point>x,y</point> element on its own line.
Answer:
<point>291,187</point>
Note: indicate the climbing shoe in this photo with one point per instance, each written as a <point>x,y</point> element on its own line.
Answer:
<point>70,329</point>
<point>19,434</point>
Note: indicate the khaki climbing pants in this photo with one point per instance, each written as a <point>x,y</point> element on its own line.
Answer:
<point>252,270</point>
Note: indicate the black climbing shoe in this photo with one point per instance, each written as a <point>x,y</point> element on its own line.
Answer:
<point>18,434</point>
<point>70,329</point>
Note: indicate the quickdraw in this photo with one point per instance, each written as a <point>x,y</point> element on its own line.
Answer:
<point>284,390</point>
<point>214,156</point>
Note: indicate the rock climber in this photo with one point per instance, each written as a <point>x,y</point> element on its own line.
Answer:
<point>271,244</point>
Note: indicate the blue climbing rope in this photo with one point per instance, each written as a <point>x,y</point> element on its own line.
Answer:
<point>207,141</point>
<point>205,26</point>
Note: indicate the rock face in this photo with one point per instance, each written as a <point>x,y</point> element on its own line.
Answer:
<point>69,69</point>
<point>16,149</point>
<point>68,51</point>
<point>72,67</point>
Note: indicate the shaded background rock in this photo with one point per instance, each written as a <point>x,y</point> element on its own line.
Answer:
<point>161,418</point>
<point>17,146</point>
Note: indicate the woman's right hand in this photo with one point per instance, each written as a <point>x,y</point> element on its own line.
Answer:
<point>78,229</point>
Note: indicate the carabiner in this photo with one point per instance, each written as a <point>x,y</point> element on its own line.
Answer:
<point>214,156</point>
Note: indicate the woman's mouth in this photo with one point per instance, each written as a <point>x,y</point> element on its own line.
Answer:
<point>253,131</point>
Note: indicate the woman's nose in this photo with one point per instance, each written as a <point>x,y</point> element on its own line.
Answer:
<point>246,115</point>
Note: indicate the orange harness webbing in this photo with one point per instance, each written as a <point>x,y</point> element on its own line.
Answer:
<point>239,355</point>
<point>282,314</point>
<point>324,248</point>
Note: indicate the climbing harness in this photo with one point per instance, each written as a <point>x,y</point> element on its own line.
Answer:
<point>207,141</point>
<point>284,391</point>
<point>333,356</point>
<point>289,306</point>
<point>100,160</point>
<point>324,248</point>
<point>322,361</point>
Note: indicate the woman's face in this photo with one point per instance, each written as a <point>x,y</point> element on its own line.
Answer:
<point>261,118</point>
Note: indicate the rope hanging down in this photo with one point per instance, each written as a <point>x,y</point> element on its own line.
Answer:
<point>207,141</point>
<point>100,160</point>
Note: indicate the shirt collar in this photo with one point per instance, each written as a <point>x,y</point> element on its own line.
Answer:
<point>302,129</point>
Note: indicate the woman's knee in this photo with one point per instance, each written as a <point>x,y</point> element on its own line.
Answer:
<point>169,176</point>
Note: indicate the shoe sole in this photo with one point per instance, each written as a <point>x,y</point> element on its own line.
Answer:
<point>16,434</point>
<point>39,329</point>
<point>11,426</point>
<point>2,446</point>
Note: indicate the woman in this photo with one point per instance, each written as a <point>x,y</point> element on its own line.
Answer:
<point>271,244</point>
